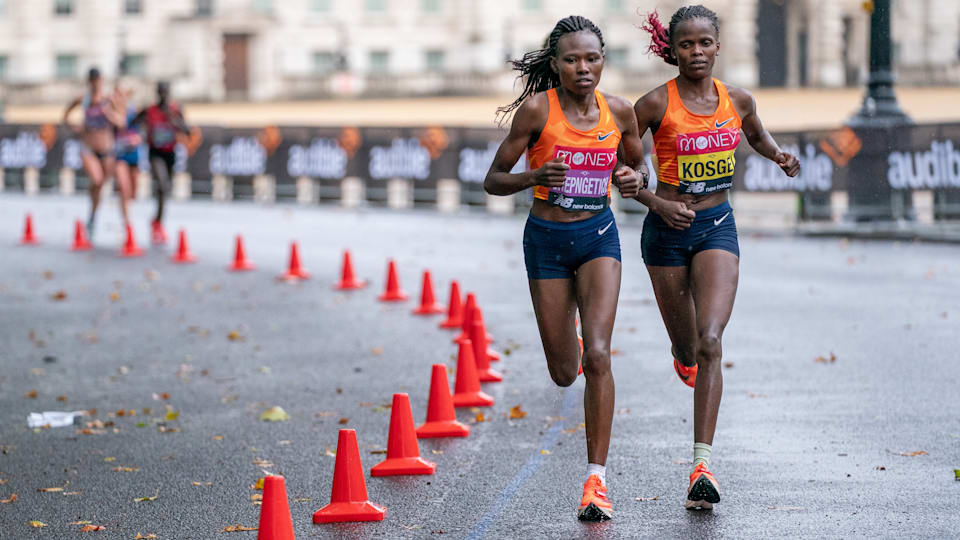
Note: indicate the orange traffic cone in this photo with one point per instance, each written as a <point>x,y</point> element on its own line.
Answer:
<point>467,320</point>
<point>466,391</point>
<point>28,237</point>
<point>295,272</point>
<point>348,497</point>
<point>275,521</point>
<point>240,262</point>
<point>428,303</point>
<point>403,454</point>
<point>492,355</point>
<point>441,417</point>
<point>393,293</point>
<point>130,247</point>
<point>484,372</point>
<point>455,309</point>
<point>347,279</point>
<point>183,254</point>
<point>80,240</point>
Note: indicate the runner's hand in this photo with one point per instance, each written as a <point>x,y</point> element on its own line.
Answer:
<point>675,213</point>
<point>628,180</point>
<point>789,163</point>
<point>552,174</point>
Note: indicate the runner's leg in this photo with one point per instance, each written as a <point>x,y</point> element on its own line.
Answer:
<point>95,171</point>
<point>671,287</point>
<point>125,185</point>
<point>554,302</point>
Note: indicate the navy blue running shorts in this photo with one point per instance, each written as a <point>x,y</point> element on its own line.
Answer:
<point>713,228</point>
<point>555,250</point>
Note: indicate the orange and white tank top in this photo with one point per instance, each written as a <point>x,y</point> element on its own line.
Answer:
<point>695,151</point>
<point>591,155</point>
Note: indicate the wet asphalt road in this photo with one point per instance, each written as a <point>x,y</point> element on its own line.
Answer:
<point>803,448</point>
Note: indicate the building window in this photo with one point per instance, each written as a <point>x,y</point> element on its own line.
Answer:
<point>204,8</point>
<point>62,7</point>
<point>430,6</point>
<point>324,63</point>
<point>132,7</point>
<point>614,5</point>
<point>322,6</point>
<point>3,68</point>
<point>616,57</point>
<point>379,61</point>
<point>435,60</point>
<point>134,65</point>
<point>262,6</point>
<point>66,66</point>
<point>375,6</point>
<point>532,5</point>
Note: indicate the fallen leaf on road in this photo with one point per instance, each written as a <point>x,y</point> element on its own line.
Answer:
<point>144,536</point>
<point>517,412</point>
<point>50,489</point>
<point>10,500</point>
<point>377,351</point>
<point>376,452</point>
<point>109,459</point>
<point>114,296</point>
<point>259,484</point>
<point>126,469</point>
<point>202,483</point>
<point>92,528</point>
<point>645,499</point>
<point>82,522</point>
<point>275,414</point>
<point>31,394</point>
<point>329,453</point>
<point>912,454</point>
<point>302,499</point>
<point>616,352</point>
<point>235,336</point>
<point>544,452</point>
<point>171,415</point>
<point>238,528</point>
<point>880,468</point>
<point>217,438</point>
<point>38,524</point>
<point>728,365</point>
<point>821,360</point>
<point>262,463</point>
<point>62,399</point>
<point>47,274</point>
<point>343,421</point>
<point>4,481</point>
<point>786,508</point>
<point>59,295</point>
<point>435,451</point>
<point>956,474</point>
<point>256,498</point>
<point>146,499</point>
<point>479,417</point>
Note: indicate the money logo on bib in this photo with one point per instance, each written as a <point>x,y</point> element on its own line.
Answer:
<point>705,160</point>
<point>587,186</point>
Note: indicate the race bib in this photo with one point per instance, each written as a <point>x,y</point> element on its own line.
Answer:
<point>705,160</point>
<point>163,136</point>
<point>588,180</point>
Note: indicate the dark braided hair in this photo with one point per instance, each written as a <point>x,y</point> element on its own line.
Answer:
<point>535,68</point>
<point>661,38</point>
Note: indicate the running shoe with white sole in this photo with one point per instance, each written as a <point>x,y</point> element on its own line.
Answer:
<point>704,491</point>
<point>594,505</point>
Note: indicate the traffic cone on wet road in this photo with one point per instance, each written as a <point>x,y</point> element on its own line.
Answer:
<point>454,308</point>
<point>130,247</point>
<point>393,293</point>
<point>275,521</point>
<point>484,372</point>
<point>403,454</point>
<point>492,355</point>
<point>348,497</point>
<point>183,254</point>
<point>467,319</point>
<point>80,240</point>
<point>466,391</point>
<point>29,239</point>
<point>348,281</point>
<point>428,303</point>
<point>240,262</point>
<point>295,272</point>
<point>441,416</point>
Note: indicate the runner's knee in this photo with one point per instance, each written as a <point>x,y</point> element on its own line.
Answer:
<point>596,362</point>
<point>562,376</point>
<point>708,347</point>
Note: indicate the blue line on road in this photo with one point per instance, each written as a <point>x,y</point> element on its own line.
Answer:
<point>549,440</point>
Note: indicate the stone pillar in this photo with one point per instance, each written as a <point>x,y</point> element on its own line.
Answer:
<point>497,204</point>
<point>307,192</point>
<point>826,44</point>
<point>264,188</point>
<point>68,181</point>
<point>448,195</point>
<point>351,192</point>
<point>738,39</point>
<point>31,180</point>
<point>182,189</point>
<point>222,188</point>
<point>399,193</point>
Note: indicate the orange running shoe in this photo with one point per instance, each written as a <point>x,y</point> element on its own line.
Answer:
<point>687,374</point>
<point>158,234</point>
<point>704,491</point>
<point>594,505</point>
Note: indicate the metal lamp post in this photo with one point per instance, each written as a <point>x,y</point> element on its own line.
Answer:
<point>880,106</point>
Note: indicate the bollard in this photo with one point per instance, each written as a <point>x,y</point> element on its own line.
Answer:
<point>264,188</point>
<point>399,193</point>
<point>307,192</point>
<point>448,195</point>
<point>221,188</point>
<point>31,180</point>
<point>351,192</point>
<point>183,188</point>
<point>497,204</point>
<point>68,181</point>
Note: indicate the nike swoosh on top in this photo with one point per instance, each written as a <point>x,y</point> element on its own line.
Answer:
<point>604,229</point>
<point>721,124</point>
<point>602,137</point>
<point>719,221</point>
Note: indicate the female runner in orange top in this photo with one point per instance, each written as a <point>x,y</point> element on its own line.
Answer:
<point>689,240</point>
<point>571,133</point>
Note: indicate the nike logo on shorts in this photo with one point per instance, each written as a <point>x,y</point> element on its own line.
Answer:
<point>602,137</point>
<point>719,221</point>
<point>721,124</point>
<point>604,229</point>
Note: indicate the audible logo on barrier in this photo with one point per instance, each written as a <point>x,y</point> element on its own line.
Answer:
<point>937,168</point>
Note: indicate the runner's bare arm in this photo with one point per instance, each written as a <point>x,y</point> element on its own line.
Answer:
<point>759,138</point>
<point>66,113</point>
<point>630,177</point>
<point>528,120</point>
<point>115,111</point>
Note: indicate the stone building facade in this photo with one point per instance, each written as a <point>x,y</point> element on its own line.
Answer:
<point>280,49</point>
